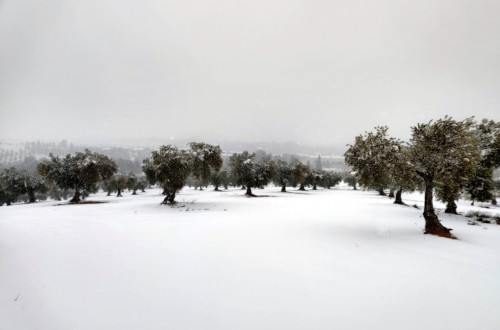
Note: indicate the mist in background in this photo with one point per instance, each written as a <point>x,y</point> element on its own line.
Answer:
<point>313,72</point>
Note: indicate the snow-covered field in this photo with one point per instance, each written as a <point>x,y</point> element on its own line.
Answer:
<point>338,259</point>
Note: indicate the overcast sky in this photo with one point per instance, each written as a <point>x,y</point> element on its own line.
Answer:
<point>312,71</point>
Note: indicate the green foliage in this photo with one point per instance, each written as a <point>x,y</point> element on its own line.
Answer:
<point>220,178</point>
<point>330,179</point>
<point>370,157</point>
<point>445,153</point>
<point>120,182</point>
<point>283,175</point>
<point>249,173</point>
<point>205,158</point>
<point>481,186</point>
<point>236,164</point>
<point>149,171</point>
<point>313,178</point>
<point>14,183</point>
<point>171,168</point>
<point>80,172</point>
<point>11,186</point>
<point>299,173</point>
<point>351,180</point>
<point>445,150</point>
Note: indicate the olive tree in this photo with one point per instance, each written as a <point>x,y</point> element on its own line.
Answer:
<point>80,172</point>
<point>440,151</point>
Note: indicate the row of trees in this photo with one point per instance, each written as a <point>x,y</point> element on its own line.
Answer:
<point>171,168</point>
<point>446,157</point>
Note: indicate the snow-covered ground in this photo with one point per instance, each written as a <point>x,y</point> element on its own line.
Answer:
<point>338,259</point>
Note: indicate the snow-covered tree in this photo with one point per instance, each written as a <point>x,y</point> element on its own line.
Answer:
<point>149,171</point>
<point>350,180</point>
<point>402,175</point>
<point>314,178</point>
<point>235,163</point>
<point>283,175</point>
<point>169,167</point>
<point>80,172</point>
<point>205,159</point>
<point>330,179</point>
<point>382,162</point>
<point>369,156</point>
<point>120,181</point>
<point>250,173</point>
<point>442,151</point>
<point>481,186</point>
<point>132,182</point>
<point>220,178</point>
<point>11,186</point>
<point>299,174</point>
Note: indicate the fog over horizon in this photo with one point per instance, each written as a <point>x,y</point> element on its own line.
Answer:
<point>314,72</point>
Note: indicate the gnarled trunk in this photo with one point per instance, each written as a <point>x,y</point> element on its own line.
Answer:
<point>76,196</point>
<point>249,192</point>
<point>216,188</point>
<point>302,188</point>
<point>451,207</point>
<point>283,188</point>
<point>432,224</point>
<point>169,198</point>
<point>134,192</point>
<point>314,187</point>
<point>391,193</point>
<point>381,192</point>
<point>119,193</point>
<point>31,195</point>
<point>398,199</point>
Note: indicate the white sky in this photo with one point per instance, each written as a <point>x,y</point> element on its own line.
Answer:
<point>315,71</point>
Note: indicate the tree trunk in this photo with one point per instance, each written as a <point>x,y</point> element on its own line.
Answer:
<point>243,187</point>
<point>391,193</point>
<point>302,188</point>
<point>76,196</point>
<point>169,198</point>
<point>314,187</point>
<point>119,193</point>
<point>381,192</point>
<point>109,193</point>
<point>451,207</point>
<point>31,196</point>
<point>134,192</point>
<point>399,200</point>
<point>249,192</point>
<point>216,188</point>
<point>355,187</point>
<point>283,188</point>
<point>494,201</point>
<point>432,224</point>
